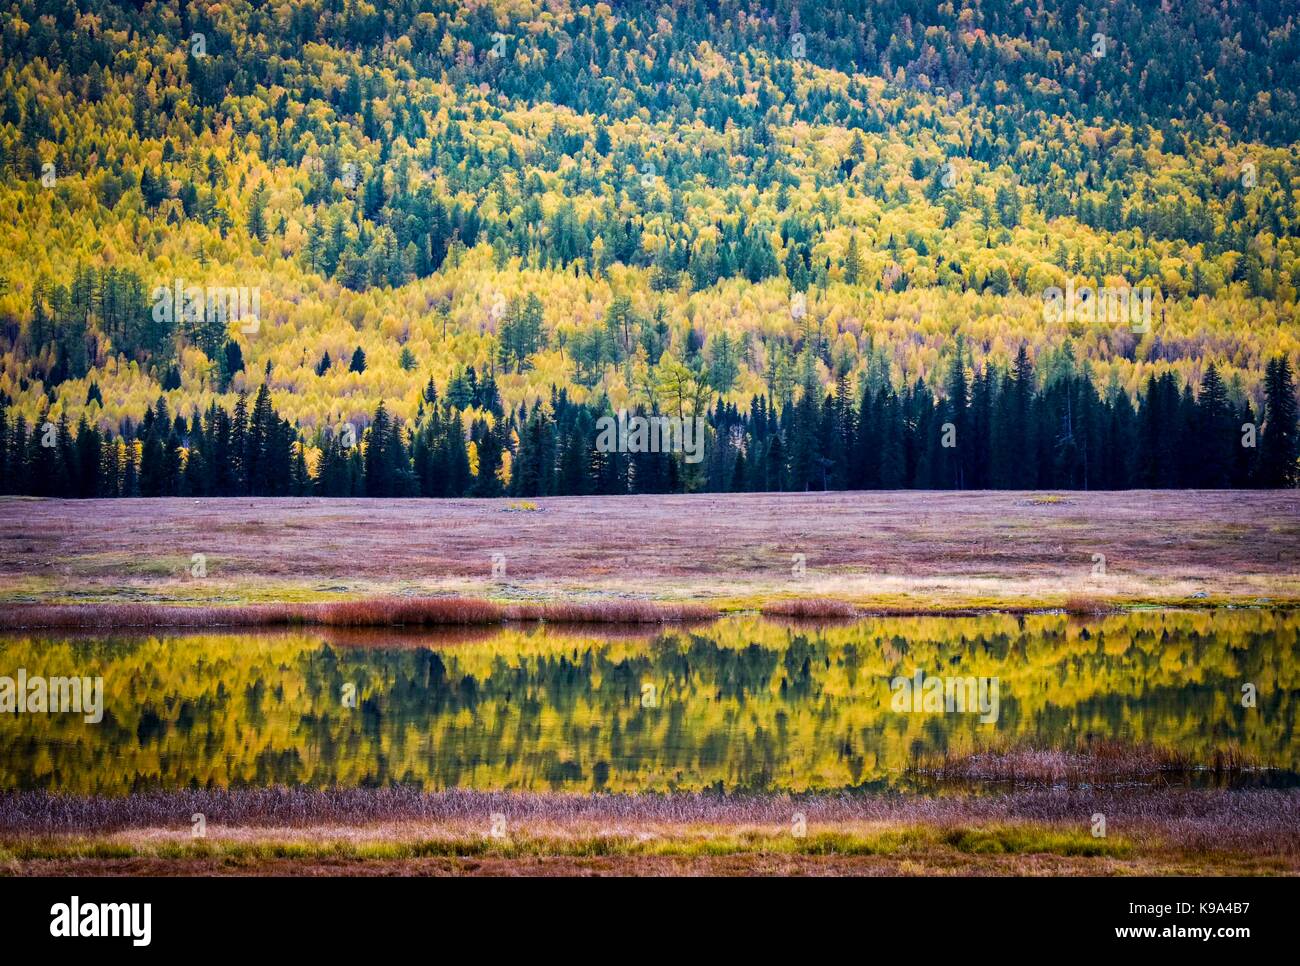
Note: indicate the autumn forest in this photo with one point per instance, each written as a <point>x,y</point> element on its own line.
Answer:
<point>420,248</point>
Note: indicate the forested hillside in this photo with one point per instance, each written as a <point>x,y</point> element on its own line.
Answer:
<point>829,226</point>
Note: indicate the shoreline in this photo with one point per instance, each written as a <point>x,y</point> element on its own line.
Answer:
<point>453,612</point>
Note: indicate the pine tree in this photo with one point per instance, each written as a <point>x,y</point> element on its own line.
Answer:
<point>379,460</point>
<point>1213,437</point>
<point>238,461</point>
<point>257,212</point>
<point>260,456</point>
<point>852,262</point>
<point>1280,441</point>
<point>955,460</point>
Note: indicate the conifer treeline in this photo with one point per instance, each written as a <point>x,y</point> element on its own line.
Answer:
<point>997,429</point>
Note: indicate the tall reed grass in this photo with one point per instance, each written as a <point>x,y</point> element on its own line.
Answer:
<point>810,608</point>
<point>1086,762</point>
<point>369,612</point>
<point>1264,821</point>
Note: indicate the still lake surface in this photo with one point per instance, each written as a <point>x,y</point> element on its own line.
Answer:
<point>745,703</point>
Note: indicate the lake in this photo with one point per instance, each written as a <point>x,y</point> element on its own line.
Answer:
<point>744,703</point>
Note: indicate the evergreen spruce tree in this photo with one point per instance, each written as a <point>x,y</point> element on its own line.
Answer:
<point>1279,445</point>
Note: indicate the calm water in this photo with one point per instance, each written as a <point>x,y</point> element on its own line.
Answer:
<point>744,703</point>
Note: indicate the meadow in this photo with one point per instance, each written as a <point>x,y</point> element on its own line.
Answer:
<point>642,557</point>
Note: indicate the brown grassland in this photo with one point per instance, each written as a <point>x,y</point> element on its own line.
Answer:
<point>1035,830</point>
<point>646,557</point>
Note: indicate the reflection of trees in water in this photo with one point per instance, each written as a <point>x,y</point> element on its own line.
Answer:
<point>743,704</point>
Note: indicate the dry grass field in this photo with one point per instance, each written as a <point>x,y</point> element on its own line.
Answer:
<point>1042,831</point>
<point>879,552</point>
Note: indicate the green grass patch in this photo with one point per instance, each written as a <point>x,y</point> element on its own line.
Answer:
<point>918,841</point>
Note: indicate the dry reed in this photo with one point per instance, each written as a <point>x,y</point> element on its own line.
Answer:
<point>369,612</point>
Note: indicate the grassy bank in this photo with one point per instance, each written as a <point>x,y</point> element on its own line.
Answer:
<point>388,611</point>
<point>280,831</point>
<point>370,612</point>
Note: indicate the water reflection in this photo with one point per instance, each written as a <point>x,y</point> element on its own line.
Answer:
<point>744,703</point>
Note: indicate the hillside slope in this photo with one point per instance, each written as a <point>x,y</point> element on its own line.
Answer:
<point>611,198</point>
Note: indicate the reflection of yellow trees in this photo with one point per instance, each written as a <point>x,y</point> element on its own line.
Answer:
<point>744,703</point>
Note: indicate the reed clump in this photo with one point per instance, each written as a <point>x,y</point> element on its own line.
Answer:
<point>385,611</point>
<point>810,608</point>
